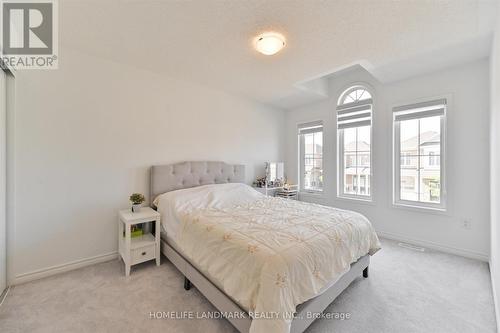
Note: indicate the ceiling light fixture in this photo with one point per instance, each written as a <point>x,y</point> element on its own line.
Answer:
<point>269,43</point>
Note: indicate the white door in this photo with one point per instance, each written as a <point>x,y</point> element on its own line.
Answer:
<point>3,185</point>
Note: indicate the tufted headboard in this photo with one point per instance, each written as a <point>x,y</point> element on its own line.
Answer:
<point>170,177</point>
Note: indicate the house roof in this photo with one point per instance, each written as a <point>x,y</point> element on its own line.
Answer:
<point>362,146</point>
<point>428,138</point>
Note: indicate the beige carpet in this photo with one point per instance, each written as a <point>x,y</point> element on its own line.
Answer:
<point>408,291</point>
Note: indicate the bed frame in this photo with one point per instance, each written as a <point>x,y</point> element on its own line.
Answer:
<point>165,178</point>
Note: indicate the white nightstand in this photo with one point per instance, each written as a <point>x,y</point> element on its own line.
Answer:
<point>138,249</point>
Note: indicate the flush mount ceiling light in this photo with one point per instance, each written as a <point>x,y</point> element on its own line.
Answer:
<point>269,43</point>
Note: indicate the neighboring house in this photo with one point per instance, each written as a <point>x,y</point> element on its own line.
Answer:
<point>357,174</point>
<point>429,150</point>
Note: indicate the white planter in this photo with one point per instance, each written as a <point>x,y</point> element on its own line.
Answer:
<point>136,208</point>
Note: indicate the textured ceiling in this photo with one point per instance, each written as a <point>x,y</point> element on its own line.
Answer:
<point>210,42</point>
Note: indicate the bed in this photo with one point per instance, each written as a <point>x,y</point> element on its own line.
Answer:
<point>267,264</point>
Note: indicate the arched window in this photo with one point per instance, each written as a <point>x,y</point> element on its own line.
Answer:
<point>354,94</point>
<point>354,120</point>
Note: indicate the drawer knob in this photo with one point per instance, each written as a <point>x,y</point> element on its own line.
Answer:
<point>143,253</point>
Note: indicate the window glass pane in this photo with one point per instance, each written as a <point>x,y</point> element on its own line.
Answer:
<point>364,139</point>
<point>430,130</point>
<point>363,160</point>
<point>420,159</point>
<point>364,146</point>
<point>430,145</point>
<point>350,160</point>
<point>409,137</point>
<point>409,184</point>
<point>355,96</point>
<point>350,177</point>
<point>313,177</point>
<point>431,160</point>
<point>309,142</point>
<point>349,139</point>
<point>409,161</point>
<point>356,172</point>
<point>350,182</point>
<point>430,185</point>
<point>312,151</point>
<point>318,143</point>
<point>317,174</point>
<point>308,174</point>
<point>363,181</point>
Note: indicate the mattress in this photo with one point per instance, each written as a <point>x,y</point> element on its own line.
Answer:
<point>267,254</point>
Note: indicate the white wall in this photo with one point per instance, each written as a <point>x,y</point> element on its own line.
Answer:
<point>467,157</point>
<point>495,168</point>
<point>86,134</point>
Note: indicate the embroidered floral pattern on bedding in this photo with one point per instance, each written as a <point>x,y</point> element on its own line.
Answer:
<point>273,254</point>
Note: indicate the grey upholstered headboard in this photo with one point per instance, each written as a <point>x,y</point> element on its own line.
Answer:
<point>170,177</point>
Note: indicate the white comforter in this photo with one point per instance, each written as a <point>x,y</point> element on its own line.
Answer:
<point>268,254</point>
<point>172,204</point>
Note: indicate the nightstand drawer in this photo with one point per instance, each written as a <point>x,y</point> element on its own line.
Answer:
<point>142,254</point>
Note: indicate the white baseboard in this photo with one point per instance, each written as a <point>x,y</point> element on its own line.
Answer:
<point>45,272</point>
<point>495,299</point>
<point>431,245</point>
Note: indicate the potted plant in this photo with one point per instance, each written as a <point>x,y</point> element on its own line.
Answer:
<point>137,199</point>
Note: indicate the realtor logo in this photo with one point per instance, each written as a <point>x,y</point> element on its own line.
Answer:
<point>29,34</point>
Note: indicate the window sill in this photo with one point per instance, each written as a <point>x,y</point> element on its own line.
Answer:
<point>368,201</point>
<point>421,209</point>
<point>312,194</point>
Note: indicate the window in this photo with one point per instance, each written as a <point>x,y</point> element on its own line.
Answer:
<point>433,158</point>
<point>354,115</point>
<point>405,159</point>
<point>311,156</point>
<point>418,152</point>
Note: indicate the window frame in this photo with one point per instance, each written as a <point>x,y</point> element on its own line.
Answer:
<point>341,194</point>
<point>442,206</point>
<point>301,156</point>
